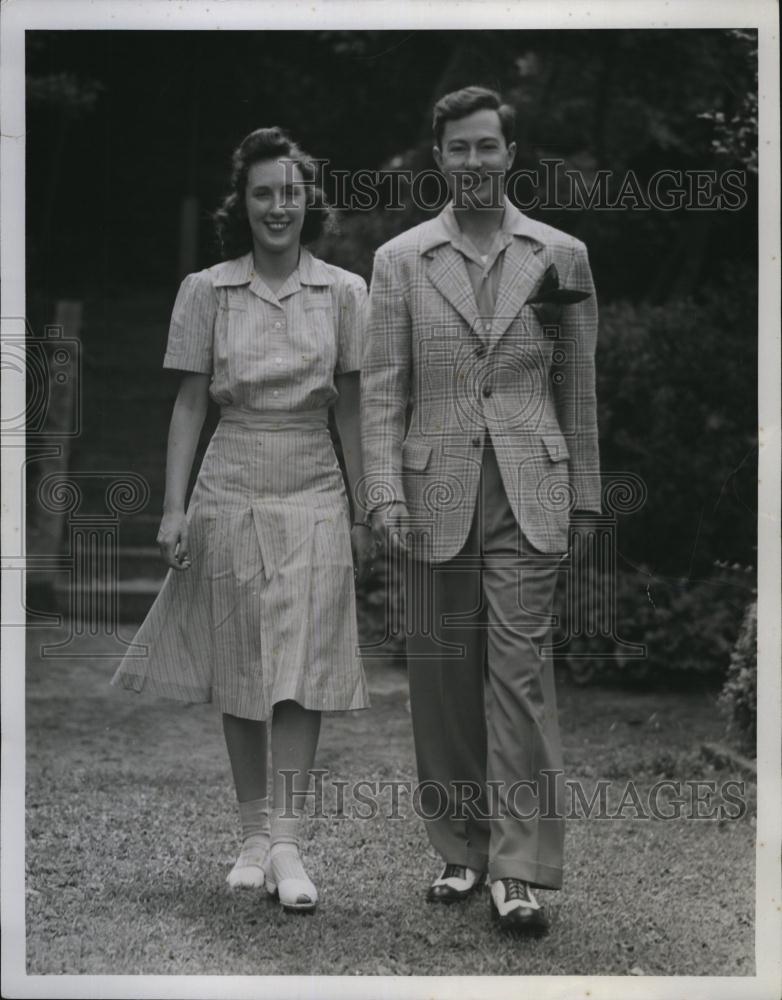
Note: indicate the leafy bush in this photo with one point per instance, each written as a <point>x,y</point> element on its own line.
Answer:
<point>681,626</point>
<point>738,698</point>
<point>677,397</point>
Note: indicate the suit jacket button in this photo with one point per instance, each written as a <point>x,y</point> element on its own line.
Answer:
<point>480,350</point>
<point>487,391</point>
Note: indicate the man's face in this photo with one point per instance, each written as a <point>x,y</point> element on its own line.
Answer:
<point>475,158</point>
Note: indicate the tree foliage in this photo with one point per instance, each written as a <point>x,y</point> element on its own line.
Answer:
<point>152,118</point>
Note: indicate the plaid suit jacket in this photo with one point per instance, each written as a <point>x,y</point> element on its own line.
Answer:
<point>437,377</point>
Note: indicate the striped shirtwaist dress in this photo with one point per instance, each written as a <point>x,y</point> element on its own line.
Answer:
<point>266,611</point>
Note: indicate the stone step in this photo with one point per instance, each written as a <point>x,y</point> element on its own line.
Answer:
<point>92,602</point>
<point>142,562</point>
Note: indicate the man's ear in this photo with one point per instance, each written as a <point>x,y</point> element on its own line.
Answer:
<point>511,154</point>
<point>438,157</point>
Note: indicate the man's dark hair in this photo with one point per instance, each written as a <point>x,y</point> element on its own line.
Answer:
<point>460,103</point>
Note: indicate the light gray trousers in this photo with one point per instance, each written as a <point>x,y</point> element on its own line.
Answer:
<point>483,700</point>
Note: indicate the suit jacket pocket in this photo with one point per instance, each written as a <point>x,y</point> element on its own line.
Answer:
<point>415,455</point>
<point>556,446</point>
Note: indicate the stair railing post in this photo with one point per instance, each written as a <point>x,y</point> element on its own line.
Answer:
<point>92,556</point>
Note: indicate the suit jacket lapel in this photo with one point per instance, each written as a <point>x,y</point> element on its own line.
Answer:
<point>522,271</point>
<point>448,274</point>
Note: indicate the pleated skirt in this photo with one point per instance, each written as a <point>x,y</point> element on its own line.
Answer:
<point>267,610</point>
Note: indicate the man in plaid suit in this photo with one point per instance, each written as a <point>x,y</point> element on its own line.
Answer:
<point>480,440</point>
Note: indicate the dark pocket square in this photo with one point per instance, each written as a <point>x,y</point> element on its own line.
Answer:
<point>550,293</point>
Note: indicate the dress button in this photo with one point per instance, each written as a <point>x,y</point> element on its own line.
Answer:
<point>476,442</point>
<point>277,326</point>
<point>487,391</point>
<point>275,393</point>
<point>487,327</point>
<point>278,360</point>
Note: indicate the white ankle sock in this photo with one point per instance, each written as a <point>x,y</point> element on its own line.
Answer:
<point>288,863</point>
<point>248,869</point>
<point>285,826</point>
<point>254,817</point>
<point>285,846</point>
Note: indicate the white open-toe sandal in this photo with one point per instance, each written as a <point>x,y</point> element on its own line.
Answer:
<point>249,871</point>
<point>296,895</point>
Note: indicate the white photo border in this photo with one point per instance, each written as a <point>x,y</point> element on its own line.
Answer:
<point>20,15</point>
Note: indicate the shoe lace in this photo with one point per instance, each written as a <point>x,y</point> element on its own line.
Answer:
<point>516,889</point>
<point>454,871</point>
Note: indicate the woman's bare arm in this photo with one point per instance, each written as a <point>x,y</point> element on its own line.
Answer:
<point>183,433</point>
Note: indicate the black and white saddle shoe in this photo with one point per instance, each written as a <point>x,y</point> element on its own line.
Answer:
<point>456,882</point>
<point>513,904</point>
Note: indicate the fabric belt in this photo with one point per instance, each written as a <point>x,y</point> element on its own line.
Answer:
<point>276,420</point>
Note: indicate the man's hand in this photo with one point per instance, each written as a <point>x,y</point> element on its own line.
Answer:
<point>388,524</point>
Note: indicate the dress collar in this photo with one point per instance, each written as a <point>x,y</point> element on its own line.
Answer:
<point>309,271</point>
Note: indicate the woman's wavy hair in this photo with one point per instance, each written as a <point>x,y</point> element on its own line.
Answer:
<point>233,230</point>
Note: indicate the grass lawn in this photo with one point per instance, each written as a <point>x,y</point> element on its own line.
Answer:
<point>132,827</point>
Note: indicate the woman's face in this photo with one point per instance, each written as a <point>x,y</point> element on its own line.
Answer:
<point>275,198</point>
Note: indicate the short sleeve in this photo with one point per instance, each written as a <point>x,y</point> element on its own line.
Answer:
<point>191,332</point>
<point>352,321</point>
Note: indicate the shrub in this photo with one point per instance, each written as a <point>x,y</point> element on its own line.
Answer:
<point>738,699</point>
<point>677,398</point>
<point>686,627</point>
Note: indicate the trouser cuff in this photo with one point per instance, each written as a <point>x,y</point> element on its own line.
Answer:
<point>470,859</point>
<point>539,876</point>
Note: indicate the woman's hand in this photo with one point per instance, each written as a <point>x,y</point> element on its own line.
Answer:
<point>362,544</point>
<point>173,540</point>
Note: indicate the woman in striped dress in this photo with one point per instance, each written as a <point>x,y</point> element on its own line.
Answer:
<point>257,612</point>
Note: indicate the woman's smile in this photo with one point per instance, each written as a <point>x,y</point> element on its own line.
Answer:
<point>276,202</point>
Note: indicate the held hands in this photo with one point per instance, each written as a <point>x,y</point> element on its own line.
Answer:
<point>172,537</point>
<point>369,539</point>
<point>388,524</point>
<point>364,548</point>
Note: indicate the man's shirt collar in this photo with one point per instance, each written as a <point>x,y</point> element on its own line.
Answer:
<point>445,229</point>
